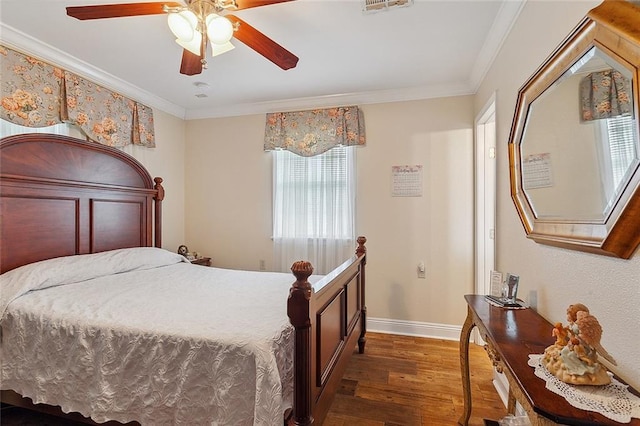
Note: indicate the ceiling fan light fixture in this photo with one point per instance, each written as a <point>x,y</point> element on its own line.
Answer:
<point>183,25</point>
<point>196,22</point>
<point>219,29</point>
<point>219,49</point>
<point>192,45</point>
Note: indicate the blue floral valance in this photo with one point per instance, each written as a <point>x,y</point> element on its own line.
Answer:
<point>604,94</point>
<point>37,94</point>
<point>309,133</point>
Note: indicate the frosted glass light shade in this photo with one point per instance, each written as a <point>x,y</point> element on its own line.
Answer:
<point>183,25</point>
<point>219,29</point>
<point>193,45</point>
<point>219,49</point>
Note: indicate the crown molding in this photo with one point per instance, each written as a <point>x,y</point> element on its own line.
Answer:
<point>504,21</point>
<point>28,45</point>
<point>356,98</point>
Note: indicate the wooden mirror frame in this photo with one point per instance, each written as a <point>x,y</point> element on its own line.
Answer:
<point>614,28</point>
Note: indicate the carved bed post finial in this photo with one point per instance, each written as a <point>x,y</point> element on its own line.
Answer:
<point>302,271</point>
<point>158,211</point>
<point>298,311</point>
<point>361,250</point>
<point>158,187</point>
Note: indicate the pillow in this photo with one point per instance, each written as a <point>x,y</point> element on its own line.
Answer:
<point>73,269</point>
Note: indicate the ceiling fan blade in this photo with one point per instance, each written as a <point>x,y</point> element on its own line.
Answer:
<point>191,64</point>
<point>247,4</point>
<point>101,11</point>
<point>263,44</point>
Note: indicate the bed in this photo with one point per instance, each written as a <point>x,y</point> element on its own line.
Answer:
<point>99,320</point>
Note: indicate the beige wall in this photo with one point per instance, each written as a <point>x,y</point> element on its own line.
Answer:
<point>228,192</point>
<point>609,287</point>
<point>228,203</point>
<point>436,228</point>
<point>167,161</point>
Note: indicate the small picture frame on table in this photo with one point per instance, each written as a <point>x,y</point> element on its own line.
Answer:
<point>510,292</point>
<point>504,292</point>
<point>496,283</point>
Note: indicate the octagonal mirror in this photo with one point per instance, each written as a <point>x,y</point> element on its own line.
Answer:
<point>574,143</point>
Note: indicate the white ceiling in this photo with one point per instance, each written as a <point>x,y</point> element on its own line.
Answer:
<point>429,49</point>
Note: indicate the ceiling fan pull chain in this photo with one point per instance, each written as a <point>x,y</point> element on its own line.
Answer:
<point>203,50</point>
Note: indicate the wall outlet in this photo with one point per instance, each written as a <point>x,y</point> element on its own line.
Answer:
<point>421,270</point>
<point>263,267</point>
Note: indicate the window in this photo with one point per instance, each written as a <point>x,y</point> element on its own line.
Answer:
<point>619,153</point>
<point>314,208</point>
<point>8,128</point>
<point>621,146</point>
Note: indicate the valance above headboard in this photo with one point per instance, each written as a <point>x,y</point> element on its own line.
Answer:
<point>37,94</point>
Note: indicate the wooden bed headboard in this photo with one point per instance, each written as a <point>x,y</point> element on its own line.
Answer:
<point>61,196</point>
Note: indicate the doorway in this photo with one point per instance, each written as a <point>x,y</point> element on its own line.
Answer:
<point>485,214</point>
<point>485,196</point>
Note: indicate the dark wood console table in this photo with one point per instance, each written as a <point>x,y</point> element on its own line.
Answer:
<point>511,335</point>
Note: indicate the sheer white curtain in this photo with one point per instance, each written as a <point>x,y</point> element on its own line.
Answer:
<point>314,202</point>
<point>8,128</point>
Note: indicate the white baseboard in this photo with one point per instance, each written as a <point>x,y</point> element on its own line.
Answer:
<point>414,328</point>
<point>502,387</point>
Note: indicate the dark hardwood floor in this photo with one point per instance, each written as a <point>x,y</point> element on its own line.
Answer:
<point>399,380</point>
<point>402,380</point>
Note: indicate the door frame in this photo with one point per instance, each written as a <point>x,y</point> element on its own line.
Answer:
<point>485,195</point>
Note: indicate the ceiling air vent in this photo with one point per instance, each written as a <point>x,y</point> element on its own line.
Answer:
<point>372,6</point>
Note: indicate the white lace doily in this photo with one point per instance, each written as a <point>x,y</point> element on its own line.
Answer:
<point>613,401</point>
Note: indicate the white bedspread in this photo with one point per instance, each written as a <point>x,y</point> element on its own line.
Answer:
<point>163,344</point>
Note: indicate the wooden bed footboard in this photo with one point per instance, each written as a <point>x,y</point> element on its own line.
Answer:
<point>329,319</point>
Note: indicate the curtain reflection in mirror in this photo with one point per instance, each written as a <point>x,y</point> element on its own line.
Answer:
<point>604,94</point>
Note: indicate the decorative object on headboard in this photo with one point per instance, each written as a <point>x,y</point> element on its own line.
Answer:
<point>575,182</point>
<point>37,94</point>
<point>309,133</point>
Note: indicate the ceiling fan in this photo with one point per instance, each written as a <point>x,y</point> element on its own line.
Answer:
<point>197,23</point>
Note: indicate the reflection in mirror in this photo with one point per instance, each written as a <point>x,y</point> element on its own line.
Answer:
<point>574,148</point>
<point>580,142</point>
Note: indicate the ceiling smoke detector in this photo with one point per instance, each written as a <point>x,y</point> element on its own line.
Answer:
<point>372,6</point>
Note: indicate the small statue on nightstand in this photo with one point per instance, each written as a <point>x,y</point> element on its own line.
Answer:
<point>573,358</point>
<point>183,250</point>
